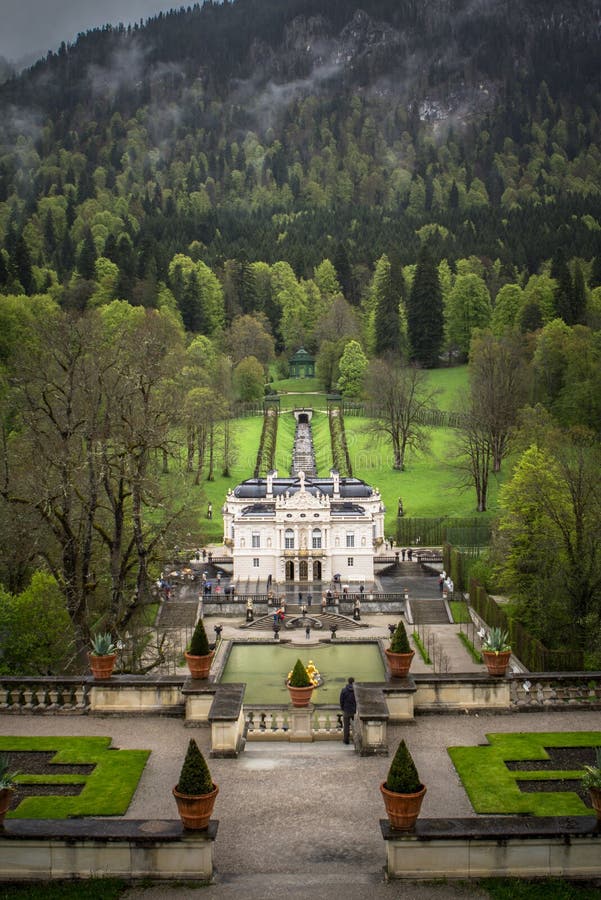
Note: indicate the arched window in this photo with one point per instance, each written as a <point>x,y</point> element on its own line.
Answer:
<point>316,539</point>
<point>289,539</point>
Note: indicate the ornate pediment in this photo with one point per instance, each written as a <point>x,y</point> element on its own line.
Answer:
<point>301,500</point>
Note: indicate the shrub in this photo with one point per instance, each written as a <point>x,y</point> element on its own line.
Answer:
<point>199,645</point>
<point>400,642</point>
<point>195,778</point>
<point>592,777</point>
<point>402,775</point>
<point>299,677</point>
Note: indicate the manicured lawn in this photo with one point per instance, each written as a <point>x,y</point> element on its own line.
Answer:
<point>451,383</point>
<point>297,385</point>
<point>460,611</point>
<point>428,486</point>
<point>95,889</point>
<point>322,444</point>
<point>106,791</point>
<point>492,787</point>
<point>540,889</point>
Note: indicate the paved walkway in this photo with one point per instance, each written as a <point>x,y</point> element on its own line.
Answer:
<point>300,819</point>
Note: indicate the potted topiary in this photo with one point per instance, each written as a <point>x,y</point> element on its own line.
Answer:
<point>7,787</point>
<point>299,685</point>
<point>199,656</point>
<point>496,652</point>
<point>402,791</point>
<point>592,782</point>
<point>400,654</point>
<point>102,656</point>
<point>195,792</point>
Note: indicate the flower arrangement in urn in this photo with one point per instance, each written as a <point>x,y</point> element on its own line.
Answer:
<point>103,654</point>
<point>199,656</point>
<point>195,793</point>
<point>592,782</point>
<point>7,786</point>
<point>496,651</point>
<point>402,791</point>
<point>399,654</point>
<point>300,686</point>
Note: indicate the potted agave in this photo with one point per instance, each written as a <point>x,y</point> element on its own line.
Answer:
<point>300,686</point>
<point>496,651</point>
<point>402,791</point>
<point>199,656</point>
<point>195,793</point>
<point>102,656</point>
<point>592,782</point>
<point>400,654</point>
<point>7,787</point>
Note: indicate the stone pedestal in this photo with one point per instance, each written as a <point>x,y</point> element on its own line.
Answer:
<point>301,723</point>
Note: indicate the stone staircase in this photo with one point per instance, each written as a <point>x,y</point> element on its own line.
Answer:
<point>174,614</point>
<point>429,612</point>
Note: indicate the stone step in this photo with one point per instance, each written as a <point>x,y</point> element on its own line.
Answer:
<point>177,615</point>
<point>429,612</point>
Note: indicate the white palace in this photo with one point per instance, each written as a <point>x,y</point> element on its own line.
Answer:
<point>303,528</point>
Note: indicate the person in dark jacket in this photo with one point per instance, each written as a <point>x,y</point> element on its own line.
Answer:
<point>348,705</point>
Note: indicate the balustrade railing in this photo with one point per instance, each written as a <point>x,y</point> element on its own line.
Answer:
<point>43,695</point>
<point>556,690</point>
<point>269,723</point>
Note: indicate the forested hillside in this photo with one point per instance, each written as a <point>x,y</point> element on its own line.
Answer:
<point>269,130</point>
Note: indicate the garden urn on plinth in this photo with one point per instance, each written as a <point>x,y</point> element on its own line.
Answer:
<point>402,791</point>
<point>195,793</point>
<point>399,654</point>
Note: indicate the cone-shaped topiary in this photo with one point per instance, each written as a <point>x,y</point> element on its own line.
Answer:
<point>199,645</point>
<point>400,642</point>
<point>299,677</point>
<point>402,775</point>
<point>194,778</point>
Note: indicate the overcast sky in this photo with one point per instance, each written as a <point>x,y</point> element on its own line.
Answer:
<point>36,26</point>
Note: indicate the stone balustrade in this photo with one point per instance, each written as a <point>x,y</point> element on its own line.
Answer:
<point>277,723</point>
<point>556,690</point>
<point>68,695</point>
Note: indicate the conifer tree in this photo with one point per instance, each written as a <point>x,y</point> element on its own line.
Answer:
<point>425,313</point>
<point>387,321</point>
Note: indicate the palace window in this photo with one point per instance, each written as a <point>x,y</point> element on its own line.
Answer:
<point>350,539</point>
<point>289,539</point>
<point>350,561</point>
<point>316,539</point>
<point>256,562</point>
<point>256,539</point>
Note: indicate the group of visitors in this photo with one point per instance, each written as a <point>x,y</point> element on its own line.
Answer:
<point>445,583</point>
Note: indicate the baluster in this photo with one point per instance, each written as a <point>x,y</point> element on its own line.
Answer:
<point>80,696</point>
<point>540,693</point>
<point>4,695</point>
<point>27,698</point>
<point>249,718</point>
<point>321,723</point>
<point>53,697</point>
<point>280,722</point>
<point>268,721</point>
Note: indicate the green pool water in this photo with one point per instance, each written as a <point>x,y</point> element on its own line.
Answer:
<point>264,668</point>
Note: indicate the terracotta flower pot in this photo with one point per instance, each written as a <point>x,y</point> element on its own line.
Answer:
<point>496,662</point>
<point>402,809</point>
<point>399,663</point>
<point>199,665</point>
<point>102,666</point>
<point>195,810</point>
<point>6,796</point>
<point>300,696</point>
<point>595,795</point>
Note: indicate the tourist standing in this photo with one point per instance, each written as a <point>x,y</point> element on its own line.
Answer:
<point>348,705</point>
<point>308,631</point>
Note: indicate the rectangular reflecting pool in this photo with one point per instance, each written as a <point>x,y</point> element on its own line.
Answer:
<point>264,668</point>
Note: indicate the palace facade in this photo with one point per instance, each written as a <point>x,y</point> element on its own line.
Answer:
<point>302,528</point>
